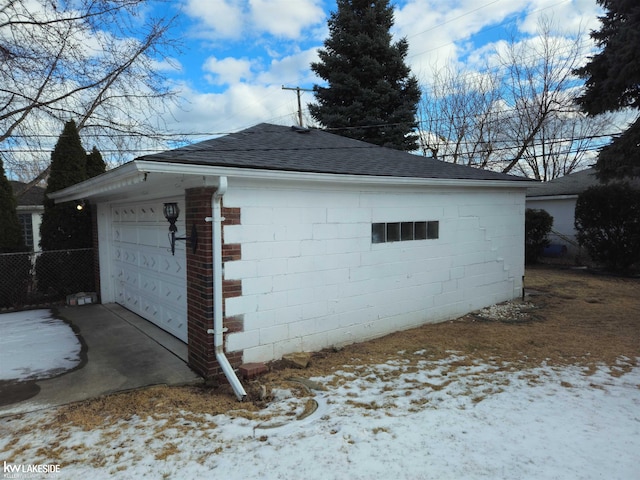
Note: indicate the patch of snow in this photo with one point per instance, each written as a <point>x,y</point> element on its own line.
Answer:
<point>445,419</point>
<point>36,345</point>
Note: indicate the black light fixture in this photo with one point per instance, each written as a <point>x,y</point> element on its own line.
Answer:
<point>171,213</point>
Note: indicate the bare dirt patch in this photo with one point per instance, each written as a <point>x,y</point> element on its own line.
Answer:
<point>570,317</point>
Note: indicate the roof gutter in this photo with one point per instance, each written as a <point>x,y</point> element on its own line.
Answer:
<point>218,329</point>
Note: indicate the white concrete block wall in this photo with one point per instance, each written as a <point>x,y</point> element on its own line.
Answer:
<point>311,277</point>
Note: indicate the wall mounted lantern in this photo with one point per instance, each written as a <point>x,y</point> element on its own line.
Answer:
<point>171,213</point>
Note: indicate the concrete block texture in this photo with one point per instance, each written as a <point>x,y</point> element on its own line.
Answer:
<point>312,278</point>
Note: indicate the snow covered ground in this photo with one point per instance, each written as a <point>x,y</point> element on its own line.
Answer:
<point>409,418</point>
<point>36,345</point>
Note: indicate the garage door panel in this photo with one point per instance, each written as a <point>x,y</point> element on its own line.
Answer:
<point>150,285</point>
<point>127,234</point>
<point>150,235</point>
<point>125,256</point>
<point>175,323</point>
<point>127,278</point>
<point>148,279</point>
<point>150,213</point>
<point>149,261</point>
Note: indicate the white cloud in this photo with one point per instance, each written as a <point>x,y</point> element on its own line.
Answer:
<point>285,18</point>
<point>228,70</point>
<point>222,18</point>
<point>462,32</point>
<point>240,106</point>
<point>236,19</point>
<point>291,69</point>
<point>569,16</point>
<point>438,31</point>
<point>265,54</point>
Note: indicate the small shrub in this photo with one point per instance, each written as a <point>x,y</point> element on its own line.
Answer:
<point>607,220</point>
<point>538,224</point>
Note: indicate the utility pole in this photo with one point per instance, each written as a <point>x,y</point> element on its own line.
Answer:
<point>298,90</point>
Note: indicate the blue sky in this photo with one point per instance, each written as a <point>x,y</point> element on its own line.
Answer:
<point>237,54</point>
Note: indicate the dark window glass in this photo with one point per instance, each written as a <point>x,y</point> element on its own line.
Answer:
<point>433,229</point>
<point>377,232</point>
<point>27,229</point>
<point>406,231</point>
<point>393,232</point>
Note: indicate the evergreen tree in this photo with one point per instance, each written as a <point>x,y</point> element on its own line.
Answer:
<point>613,83</point>
<point>371,93</point>
<point>95,163</point>
<point>63,225</point>
<point>11,232</point>
<point>16,268</point>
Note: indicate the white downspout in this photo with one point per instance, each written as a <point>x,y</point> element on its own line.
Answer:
<point>218,329</point>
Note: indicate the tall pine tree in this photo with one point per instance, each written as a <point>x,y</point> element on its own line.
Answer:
<point>95,163</point>
<point>371,94</point>
<point>63,225</point>
<point>613,83</point>
<point>10,232</point>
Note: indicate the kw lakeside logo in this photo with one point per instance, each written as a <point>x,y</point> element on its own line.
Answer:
<point>21,471</point>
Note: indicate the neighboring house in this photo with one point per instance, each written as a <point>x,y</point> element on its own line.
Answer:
<point>306,240</point>
<point>558,198</point>
<point>30,208</point>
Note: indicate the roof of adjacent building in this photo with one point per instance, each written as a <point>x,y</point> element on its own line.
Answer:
<point>572,184</point>
<point>32,196</point>
<point>275,147</point>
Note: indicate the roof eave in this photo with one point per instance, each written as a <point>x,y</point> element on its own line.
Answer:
<point>564,196</point>
<point>137,172</point>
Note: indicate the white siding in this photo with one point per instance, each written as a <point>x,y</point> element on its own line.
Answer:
<point>311,277</point>
<point>563,212</point>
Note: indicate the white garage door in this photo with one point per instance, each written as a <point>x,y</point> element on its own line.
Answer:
<point>148,279</point>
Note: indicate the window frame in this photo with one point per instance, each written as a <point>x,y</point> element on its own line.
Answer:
<point>406,231</point>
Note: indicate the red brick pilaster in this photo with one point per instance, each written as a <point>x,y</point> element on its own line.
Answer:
<point>202,357</point>
<point>201,348</point>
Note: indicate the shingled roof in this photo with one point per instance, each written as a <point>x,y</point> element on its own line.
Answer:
<point>572,184</point>
<point>27,196</point>
<point>276,147</point>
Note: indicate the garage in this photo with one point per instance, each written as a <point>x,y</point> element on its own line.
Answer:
<point>290,255</point>
<point>148,279</point>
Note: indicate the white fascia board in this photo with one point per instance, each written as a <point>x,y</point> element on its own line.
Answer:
<point>552,197</point>
<point>364,179</point>
<point>258,174</point>
<point>127,174</point>
<point>137,171</point>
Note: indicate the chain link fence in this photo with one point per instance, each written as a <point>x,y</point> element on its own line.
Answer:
<point>43,278</point>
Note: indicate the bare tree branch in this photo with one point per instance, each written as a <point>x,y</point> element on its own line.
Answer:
<point>518,116</point>
<point>91,61</point>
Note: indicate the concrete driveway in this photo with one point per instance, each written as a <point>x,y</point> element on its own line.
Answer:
<point>121,351</point>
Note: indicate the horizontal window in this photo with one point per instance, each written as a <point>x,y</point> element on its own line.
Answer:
<point>404,231</point>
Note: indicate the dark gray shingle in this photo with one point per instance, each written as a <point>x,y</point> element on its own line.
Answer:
<point>572,184</point>
<point>275,147</point>
<point>27,197</point>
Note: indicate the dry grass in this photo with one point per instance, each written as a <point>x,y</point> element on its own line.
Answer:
<point>577,318</point>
